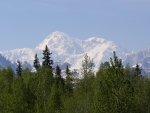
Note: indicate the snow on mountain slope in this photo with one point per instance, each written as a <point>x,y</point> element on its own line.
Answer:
<point>68,50</point>
<point>141,57</point>
<point>60,42</point>
<point>23,55</point>
<point>72,51</point>
<point>4,62</point>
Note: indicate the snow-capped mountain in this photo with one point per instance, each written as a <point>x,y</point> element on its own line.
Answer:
<point>23,55</point>
<point>142,58</point>
<point>66,49</point>
<point>71,50</point>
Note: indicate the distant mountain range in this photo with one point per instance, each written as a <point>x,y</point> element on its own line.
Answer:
<point>68,50</point>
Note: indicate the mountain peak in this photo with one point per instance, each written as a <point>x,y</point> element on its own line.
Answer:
<point>57,35</point>
<point>67,49</point>
<point>52,38</point>
<point>96,39</point>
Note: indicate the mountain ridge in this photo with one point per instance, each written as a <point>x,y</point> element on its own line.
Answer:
<point>65,49</point>
<point>71,50</point>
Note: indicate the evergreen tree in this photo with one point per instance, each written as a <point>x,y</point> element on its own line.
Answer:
<point>68,73</point>
<point>47,59</point>
<point>58,72</point>
<point>69,81</point>
<point>87,66</point>
<point>84,87</point>
<point>36,62</point>
<point>116,63</point>
<point>19,68</point>
<point>59,79</point>
<point>54,100</point>
<point>137,71</point>
<point>113,89</point>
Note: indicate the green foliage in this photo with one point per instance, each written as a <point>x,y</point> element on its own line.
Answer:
<point>114,89</point>
<point>43,81</point>
<point>19,101</point>
<point>54,103</point>
<point>6,80</point>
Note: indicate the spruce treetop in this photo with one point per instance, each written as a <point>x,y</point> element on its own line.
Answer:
<point>47,58</point>
<point>19,68</point>
<point>36,62</point>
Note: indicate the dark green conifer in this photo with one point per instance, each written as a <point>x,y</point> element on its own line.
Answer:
<point>137,71</point>
<point>36,62</point>
<point>58,72</point>
<point>47,58</point>
<point>69,80</point>
<point>19,68</point>
<point>59,79</point>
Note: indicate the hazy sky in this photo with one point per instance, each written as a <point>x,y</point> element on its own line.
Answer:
<point>25,23</point>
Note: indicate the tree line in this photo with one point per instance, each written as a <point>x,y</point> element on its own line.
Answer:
<point>114,88</point>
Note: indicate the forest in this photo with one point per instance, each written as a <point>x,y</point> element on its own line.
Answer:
<point>114,88</point>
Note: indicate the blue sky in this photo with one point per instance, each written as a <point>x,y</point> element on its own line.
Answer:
<point>25,23</point>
